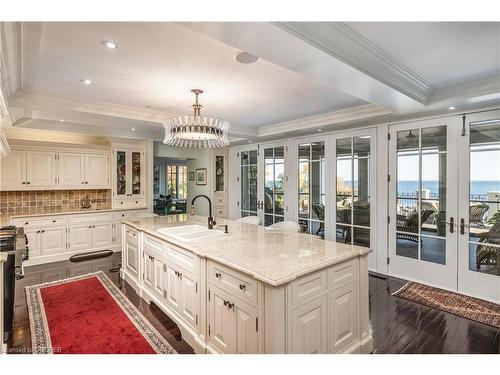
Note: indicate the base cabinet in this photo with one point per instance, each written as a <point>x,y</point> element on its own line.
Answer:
<point>222,310</point>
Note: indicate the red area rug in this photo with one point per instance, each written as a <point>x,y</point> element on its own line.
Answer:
<point>89,315</point>
<point>467,307</point>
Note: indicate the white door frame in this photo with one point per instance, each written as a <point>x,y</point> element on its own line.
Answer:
<point>470,282</point>
<point>331,225</point>
<point>443,276</point>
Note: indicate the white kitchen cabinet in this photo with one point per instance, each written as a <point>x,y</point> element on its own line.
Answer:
<point>71,169</point>
<point>308,327</point>
<point>247,326</point>
<point>222,322</point>
<point>80,237</point>
<point>34,241</point>
<point>159,272</point>
<point>343,310</point>
<point>53,240</point>
<point>97,171</point>
<point>131,257</point>
<point>174,288</point>
<point>40,169</point>
<point>102,235</point>
<point>149,271</point>
<point>190,299</point>
<point>13,171</point>
<point>128,176</point>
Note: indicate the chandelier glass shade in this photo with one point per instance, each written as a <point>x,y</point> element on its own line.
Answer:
<point>196,130</point>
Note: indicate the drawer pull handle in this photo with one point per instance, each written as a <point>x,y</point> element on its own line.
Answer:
<point>218,275</point>
<point>243,287</point>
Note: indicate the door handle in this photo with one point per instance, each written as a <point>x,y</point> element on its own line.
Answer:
<point>451,223</point>
<point>462,226</point>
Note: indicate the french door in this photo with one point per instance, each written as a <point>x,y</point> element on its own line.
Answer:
<point>271,188</point>
<point>423,202</point>
<point>249,205</point>
<point>444,205</point>
<point>479,206</point>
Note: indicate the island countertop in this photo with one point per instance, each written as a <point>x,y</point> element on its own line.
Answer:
<point>272,257</point>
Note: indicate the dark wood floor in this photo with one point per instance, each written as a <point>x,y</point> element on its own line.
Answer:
<point>398,326</point>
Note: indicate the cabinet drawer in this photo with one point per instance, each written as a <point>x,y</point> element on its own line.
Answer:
<point>131,235</point>
<point>220,211</point>
<point>343,273</point>
<point>34,222</point>
<point>220,200</point>
<point>233,282</point>
<point>105,217</point>
<point>129,202</point>
<point>308,286</point>
<point>184,258</point>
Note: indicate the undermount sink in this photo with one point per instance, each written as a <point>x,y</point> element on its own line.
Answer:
<point>188,233</point>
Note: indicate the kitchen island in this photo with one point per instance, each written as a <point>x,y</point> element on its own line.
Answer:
<point>251,290</point>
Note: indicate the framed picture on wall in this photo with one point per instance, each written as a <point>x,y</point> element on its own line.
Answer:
<point>191,176</point>
<point>201,176</point>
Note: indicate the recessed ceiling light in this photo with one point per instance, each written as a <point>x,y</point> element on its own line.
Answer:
<point>86,81</point>
<point>249,141</point>
<point>61,120</point>
<point>109,44</point>
<point>133,129</point>
<point>320,130</point>
<point>245,58</point>
<point>451,107</point>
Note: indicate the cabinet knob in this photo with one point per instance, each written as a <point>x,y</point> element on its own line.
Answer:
<point>218,275</point>
<point>28,182</point>
<point>24,182</point>
<point>243,287</point>
<point>26,223</point>
<point>43,231</point>
<point>53,221</point>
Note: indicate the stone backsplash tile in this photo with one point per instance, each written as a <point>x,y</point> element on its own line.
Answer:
<point>50,201</point>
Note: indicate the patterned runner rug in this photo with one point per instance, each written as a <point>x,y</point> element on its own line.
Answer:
<point>89,315</point>
<point>454,303</point>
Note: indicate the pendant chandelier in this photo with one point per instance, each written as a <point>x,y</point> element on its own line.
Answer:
<point>196,131</point>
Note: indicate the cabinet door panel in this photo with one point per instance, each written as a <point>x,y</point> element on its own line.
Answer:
<point>40,169</point>
<point>343,317</point>
<point>34,242</point>
<point>132,259</point>
<point>190,307</point>
<point>80,237</point>
<point>96,170</point>
<point>174,288</point>
<point>158,277</point>
<point>13,171</point>
<point>309,327</point>
<point>246,329</point>
<point>102,235</point>
<point>149,272</point>
<point>53,240</point>
<point>222,322</point>
<point>70,169</point>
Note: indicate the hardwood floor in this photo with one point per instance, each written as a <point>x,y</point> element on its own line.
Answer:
<point>401,326</point>
<point>398,326</point>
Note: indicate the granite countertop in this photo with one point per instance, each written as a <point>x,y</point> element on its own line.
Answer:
<point>272,257</point>
<point>3,257</point>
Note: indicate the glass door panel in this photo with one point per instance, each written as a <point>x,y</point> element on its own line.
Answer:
<point>353,190</point>
<point>479,233</point>
<point>311,187</point>
<point>248,170</point>
<point>136,173</point>
<point>274,190</point>
<point>421,240</point>
<point>121,173</point>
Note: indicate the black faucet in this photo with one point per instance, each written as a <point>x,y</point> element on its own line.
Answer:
<point>211,221</point>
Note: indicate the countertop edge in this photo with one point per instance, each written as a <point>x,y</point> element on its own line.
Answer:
<point>272,283</point>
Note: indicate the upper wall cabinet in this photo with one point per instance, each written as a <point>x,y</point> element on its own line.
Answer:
<point>128,177</point>
<point>53,170</point>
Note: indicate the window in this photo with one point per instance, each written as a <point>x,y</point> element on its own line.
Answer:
<point>311,189</point>
<point>248,168</point>
<point>177,181</point>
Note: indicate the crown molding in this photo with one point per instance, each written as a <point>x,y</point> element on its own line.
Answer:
<point>467,90</point>
<point>11,56</point>
<point>347,45</point>
<point>325,119</point>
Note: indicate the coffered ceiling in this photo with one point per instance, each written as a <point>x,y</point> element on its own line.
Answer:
<point>309,75</point>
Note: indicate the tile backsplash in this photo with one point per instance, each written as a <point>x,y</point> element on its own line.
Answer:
<point>50,201</point>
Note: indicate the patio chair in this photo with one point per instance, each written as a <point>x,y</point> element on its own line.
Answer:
<point>319,211</point>
<point>486,254</point>
<point>409,223</point>
<point>476,214</point>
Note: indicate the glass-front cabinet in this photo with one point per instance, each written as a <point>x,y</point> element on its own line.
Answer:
<point>128,179</point>
<point>220,182</point>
